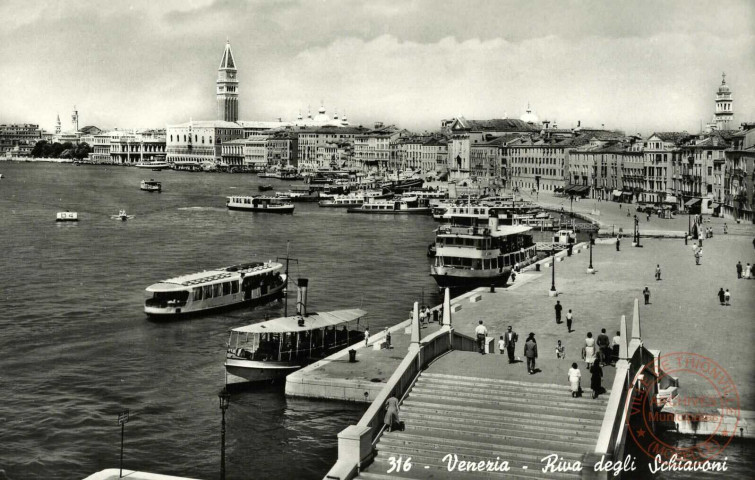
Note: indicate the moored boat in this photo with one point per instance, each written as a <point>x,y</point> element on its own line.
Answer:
<point>151,185</point>
<point>156,165</point>
<point>265,188</point>
<point>67,216</point>
<point>394,206</point>
<point>260,204</point>
<point>221,288</point>
<point>272,349</point>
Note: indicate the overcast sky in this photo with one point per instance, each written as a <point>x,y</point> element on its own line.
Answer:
<point>641,66</point>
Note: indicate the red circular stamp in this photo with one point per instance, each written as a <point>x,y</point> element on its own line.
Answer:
<point>707,406</point>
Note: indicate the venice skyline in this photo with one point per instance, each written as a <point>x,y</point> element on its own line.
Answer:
<point>639,67</point>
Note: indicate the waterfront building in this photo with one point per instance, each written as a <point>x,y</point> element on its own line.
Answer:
<point>633,170</point>
<point>130,148</point>
<point>283,149</point>
<point>255,153</point>
<point>309,138</point>
<point>739,177</point>
<point>100,148</point>
<point>196,142</point>
<point>232,154</point>
<point>425,153</point>
<point>464,133</point>
<point>541,162</point>
<point>489,159</point>
<point>661,150</point>
<point>377,149</point>
<point>18,139</point>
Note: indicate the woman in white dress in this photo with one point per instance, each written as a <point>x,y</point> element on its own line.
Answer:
<point>575,376</point>
<point>589,351</point>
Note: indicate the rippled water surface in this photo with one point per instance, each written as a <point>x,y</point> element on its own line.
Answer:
<point>77,348</point>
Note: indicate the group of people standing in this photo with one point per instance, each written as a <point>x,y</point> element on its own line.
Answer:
<point>744,272</point>
<point>569,315</point>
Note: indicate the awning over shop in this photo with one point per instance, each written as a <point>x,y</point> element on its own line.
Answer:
<point>617,193</point>
<point>582,188</point>
<point>626,193</point>
<point>670,199</point>
<point>691,202</point>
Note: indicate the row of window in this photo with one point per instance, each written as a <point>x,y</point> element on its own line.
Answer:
<point>215,290</point>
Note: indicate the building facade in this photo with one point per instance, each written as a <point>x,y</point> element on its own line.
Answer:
<point>18,139</point>
<point>198,142</point>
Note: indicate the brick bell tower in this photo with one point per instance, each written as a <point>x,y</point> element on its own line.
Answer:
<point>228,87</point>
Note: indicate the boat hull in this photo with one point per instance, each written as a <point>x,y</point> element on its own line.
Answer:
<point>463,278</point>
<point>408,211</point>
<point>244,371</point>
<point>181,312</point>
<point>283,209</point>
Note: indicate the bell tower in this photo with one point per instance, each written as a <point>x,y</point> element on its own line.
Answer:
<point>724,106</point>
<point>227,87</point>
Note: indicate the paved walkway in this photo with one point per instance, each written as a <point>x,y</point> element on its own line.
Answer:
<point>684,314</point>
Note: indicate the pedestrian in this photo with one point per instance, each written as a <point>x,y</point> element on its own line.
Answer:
<point>618,243</point>
<point>722,297</point>
<point>697,256</point>
<point>558,309</point>
<point>604,352</point>
<point>569,318</point>
<point>615,345</point>
<point>391,419</point>
<point>657,272</point>
<point>726,229</point>
<point>530,351</point>
<point>427,315</point>
<point>560,351</point>
<point>739,270</point>
<point>481,333</point>
<point>748,272</point>
<point>574,377</point>
<point>727,295</point>
<point>387,338</point>
<point>435,315</point>
<point>648,216</point>
<point>596,375</point>
<point>588,351</point>
<point>619,206</point>
<point>646,294</point>
<point>501,345</point>
<point>366,336</point>
<point>510,339</point>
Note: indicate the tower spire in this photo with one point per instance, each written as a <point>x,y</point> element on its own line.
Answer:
<point>227,86</point>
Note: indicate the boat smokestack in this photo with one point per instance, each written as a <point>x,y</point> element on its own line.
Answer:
<point>301,297</point>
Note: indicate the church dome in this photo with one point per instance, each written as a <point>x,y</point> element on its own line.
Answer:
<point>321,117</point>
<point>723,88</point>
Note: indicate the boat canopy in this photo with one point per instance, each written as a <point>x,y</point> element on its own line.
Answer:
<point>311,322</point>
<point>510,230</point>
<point>165,287</point>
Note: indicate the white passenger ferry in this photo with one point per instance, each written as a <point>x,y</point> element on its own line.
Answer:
<point>235,286</point>
<point>399,205</point>
<point>272,349</point>
<point>155,165</point>
<point>260,204</point>
<point>67,216</point>
<point>151,186</point>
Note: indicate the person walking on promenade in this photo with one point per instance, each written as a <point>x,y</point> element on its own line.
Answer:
<point>391,419</point>
<point>560,351</point>
<point>387,338</point>
<point>501,345</point>
<point>739,270</point>
<point>657,272</point>
<point>646,294</point>
<point>588,352</point>
<point>558,309</point>
<point>604,352</point>
<point>726,229</point>
<point>366,336</point>
<point>530,351</point>
<point>435,315</point>
<point>574,376</point>
<point>596,376</point>
<point>648,216</point>
<point>697,256</point>
<point>727,296</point>
<point>569,318</point>
<point>510,339</point>
<point>748,272</point>
<point>615,345</point>
<point>618,243</point>
<point>481,333</point>
<point>722,297</point>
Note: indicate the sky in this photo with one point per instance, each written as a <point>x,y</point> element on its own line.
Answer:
<point>638,66</point>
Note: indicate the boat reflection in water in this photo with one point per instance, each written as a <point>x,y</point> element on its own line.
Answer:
<point>272,349</point>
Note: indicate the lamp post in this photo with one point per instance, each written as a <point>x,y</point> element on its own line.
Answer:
<point>225,400</point>
<point>553,292</point>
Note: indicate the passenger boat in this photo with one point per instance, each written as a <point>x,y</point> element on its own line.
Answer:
<point>352,200</point>
<point>265,188</point>
<point>221,288</point>
<point>395,206</point>
<point>157,166</point>
<point>299,194</point>
<point>260,204</point>
<point>151,186</point>
<point>67,216</point>
<point>565,237</point>
<point>480,253</point>
<point>272,349</point>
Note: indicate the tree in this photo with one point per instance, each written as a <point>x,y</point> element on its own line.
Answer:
<point>41,149</point>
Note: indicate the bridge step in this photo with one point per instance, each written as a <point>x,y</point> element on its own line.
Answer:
<point>461,411</point>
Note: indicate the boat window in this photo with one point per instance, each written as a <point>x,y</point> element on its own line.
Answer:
<point>207,291</point>
<point>197,293</point>
<point>235,286</point>
<point>217,290</point>
<point>226,288</point>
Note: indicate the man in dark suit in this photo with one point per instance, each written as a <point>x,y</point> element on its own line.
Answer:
<point>558,309</point>
<point>509,339</point>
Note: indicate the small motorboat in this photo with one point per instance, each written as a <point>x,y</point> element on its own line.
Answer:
<point>151,186</point>
<point>122,216</point>
<point>265,188</point>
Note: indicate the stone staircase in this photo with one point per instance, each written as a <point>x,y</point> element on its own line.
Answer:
<point>487,419</point>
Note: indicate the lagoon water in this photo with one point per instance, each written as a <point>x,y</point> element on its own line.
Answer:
<point>77,348</point>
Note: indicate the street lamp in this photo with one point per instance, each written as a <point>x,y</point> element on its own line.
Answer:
<point>225,400</point>
<point>553,292</point>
